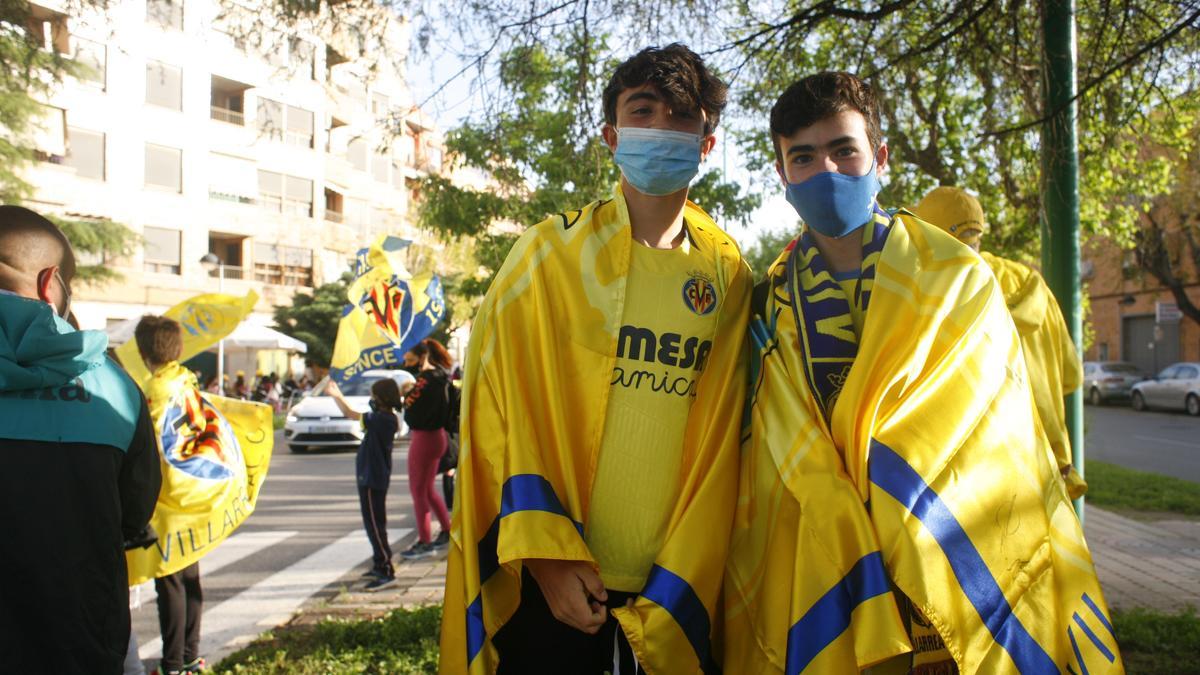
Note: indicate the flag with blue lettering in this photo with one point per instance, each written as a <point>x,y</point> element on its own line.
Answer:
<point>389,311</point>
<point>205,319</point>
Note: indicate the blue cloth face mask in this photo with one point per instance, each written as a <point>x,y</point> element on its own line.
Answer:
<point>657,162</point>
<point>835,204</point>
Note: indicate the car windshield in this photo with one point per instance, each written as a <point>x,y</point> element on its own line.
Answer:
<point>359,387</point>
<point>1121,368</point>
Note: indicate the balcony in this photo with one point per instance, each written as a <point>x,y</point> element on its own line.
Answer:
<point>228,116</point>
<point>231,272</point>
<point>334,216</point>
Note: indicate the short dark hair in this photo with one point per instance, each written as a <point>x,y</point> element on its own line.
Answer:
<point>159,339</point>
<point>19,222</point>
<point>823,95</point>
<point>680,76</point>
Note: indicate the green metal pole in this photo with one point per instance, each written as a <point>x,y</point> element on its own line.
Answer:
<point>1060,193</point>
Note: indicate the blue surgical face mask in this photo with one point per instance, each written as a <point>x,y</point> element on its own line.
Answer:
<point>835,204</point>
<point>657,162</point>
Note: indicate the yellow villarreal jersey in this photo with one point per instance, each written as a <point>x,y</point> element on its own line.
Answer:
<point>667,330</point>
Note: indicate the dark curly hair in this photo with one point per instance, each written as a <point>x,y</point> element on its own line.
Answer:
<point>680,76</point>
<point>822,95</point>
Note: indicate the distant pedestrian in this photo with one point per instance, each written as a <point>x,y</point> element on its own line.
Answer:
<point>373,471</point>
<point>79,470</point>
<point>180,596</point>
<point>426,410</point>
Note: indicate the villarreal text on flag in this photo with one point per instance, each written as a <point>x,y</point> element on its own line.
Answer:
<point>215,454</point>
<point>389,311</point>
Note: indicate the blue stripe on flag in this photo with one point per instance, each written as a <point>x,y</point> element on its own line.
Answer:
<point>1098,613</point>
<point>1095,640</point>
<point>1078,656</point>
<point>892,473</point>
<point>523,492</point>
<point>531,492</point>
<point>830,616</point>
<point>671,592</point>
<point>476,634</point>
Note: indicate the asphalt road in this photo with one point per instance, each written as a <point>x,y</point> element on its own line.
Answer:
<point>1161,442</point>
<point>305,534</point>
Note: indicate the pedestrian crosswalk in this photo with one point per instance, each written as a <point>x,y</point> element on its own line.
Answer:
<point>227,625</point>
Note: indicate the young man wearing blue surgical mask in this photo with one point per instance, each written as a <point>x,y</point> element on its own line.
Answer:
<point>900,511</point>
<point>605,377</point>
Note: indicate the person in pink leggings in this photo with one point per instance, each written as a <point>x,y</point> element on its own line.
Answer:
<point>427,411</point>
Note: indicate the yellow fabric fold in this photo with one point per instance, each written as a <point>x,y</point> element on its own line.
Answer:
<point>932,478</point>
<point>538,375</point>
<point>1050,355</point>
<point>214,455</point>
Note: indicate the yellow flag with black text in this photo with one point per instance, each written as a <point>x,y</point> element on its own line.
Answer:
<point>214,457</point>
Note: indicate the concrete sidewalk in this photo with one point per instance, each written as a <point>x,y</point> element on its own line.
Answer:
<point>1145,564</point>
<point>1141,564</point>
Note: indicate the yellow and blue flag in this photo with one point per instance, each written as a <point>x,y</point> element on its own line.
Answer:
<point>389,311</point>
<point>205,320</point>
<point>214,457</point>
<point>899,503</point>
<point>538,376</point>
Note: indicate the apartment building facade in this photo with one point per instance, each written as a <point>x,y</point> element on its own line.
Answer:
<point>280,154</point>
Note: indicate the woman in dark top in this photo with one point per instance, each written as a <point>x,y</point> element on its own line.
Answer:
<point>426,410</point>
<point>373,467</point>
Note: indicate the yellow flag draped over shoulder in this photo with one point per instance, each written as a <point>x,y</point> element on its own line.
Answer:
<point>215,455</point>
<point>205,320</point>
<point>1054,366</point>
<point>538,374</point>
<point>389,311</point>
<point>925,477</point>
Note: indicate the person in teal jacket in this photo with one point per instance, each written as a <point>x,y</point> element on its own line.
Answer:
<point>79,467</point>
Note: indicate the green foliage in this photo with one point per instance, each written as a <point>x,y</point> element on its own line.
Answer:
<point>763,252</point>
<point>403,642</point>
<point>1115,487</point>
<point>99,238</point>
<point>543,153</point>
<point>313,319</point>
<point>960,88</point>
<point>1156,642</point>
<point>27,75</point>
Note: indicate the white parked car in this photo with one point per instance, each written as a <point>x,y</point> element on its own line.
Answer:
<point>1104,381</point>
<point>1177,387</point>
<point>316,421</point>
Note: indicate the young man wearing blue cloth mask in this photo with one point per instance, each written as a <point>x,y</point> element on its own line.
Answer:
<point>890,423</point>
<point>604,381</point>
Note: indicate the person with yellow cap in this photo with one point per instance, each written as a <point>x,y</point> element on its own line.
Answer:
<point>1053,363</point>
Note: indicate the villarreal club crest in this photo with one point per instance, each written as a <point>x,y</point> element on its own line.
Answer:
<point>699,294</point>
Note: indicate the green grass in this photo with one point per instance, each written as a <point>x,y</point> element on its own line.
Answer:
<point>1162,644</point>
<point>280,419</point>
<point>403,642</point>
<point>1115,487</point>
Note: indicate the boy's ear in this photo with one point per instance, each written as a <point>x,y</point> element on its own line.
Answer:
<point>706,145</point>
<point>780,173</point>
<point>609,133</point>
